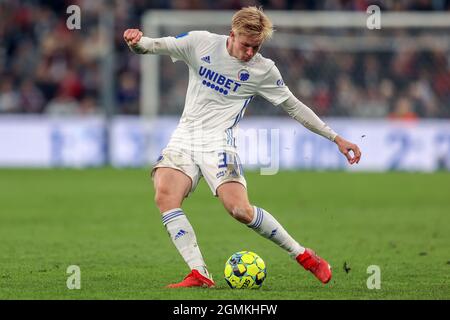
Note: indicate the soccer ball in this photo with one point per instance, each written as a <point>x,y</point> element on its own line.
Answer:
<point>245,270</point>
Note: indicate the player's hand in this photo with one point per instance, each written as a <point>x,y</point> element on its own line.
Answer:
<point>132,36</point>
<point>345,147</point>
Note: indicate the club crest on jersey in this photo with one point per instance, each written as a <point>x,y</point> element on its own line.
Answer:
<point>217,81</point>
<point>207,59</point>
<point>280,82</point>
<point>243,75</point>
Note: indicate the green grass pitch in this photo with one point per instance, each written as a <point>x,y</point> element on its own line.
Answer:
<point>105,222</point>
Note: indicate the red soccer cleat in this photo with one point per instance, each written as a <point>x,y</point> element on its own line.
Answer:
<point>193,279</point>
<point>318,266</point>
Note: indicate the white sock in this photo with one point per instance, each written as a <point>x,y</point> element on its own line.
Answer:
<point>183,236</point>
<point>267,226</point>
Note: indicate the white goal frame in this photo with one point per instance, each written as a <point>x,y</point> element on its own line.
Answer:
<point>153,20</point>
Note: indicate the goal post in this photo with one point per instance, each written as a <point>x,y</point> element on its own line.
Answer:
<point>302,33</point>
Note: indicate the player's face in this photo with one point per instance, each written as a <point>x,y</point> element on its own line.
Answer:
<point>244,47</point>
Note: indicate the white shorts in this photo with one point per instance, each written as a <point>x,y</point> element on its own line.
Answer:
<point>217,167</point>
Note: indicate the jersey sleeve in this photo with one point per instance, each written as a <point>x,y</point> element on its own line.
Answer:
<point>182,47</point>
<point>273,88</point>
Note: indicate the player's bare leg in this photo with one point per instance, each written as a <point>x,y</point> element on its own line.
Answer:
<point>171,187</point>
<point>235,200</point>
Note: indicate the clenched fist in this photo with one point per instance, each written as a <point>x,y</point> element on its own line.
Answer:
<point>132,36</point>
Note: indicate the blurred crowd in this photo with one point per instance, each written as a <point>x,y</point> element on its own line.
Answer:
<point>47,68</point>
<point>399,84</point>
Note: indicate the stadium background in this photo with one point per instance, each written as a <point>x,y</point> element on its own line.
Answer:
<point>69,100</point>
<point>64,92</point>
<point>48,69</point>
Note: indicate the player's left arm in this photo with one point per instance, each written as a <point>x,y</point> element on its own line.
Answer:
<point>273,89</point>
<point>303,114</point>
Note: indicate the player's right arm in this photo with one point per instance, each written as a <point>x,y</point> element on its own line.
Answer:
<point>142,45</point>
<point>181,47</point>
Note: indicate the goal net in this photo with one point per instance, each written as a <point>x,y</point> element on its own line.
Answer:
<point>331,61</point>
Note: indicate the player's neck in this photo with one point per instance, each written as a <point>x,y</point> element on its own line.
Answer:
<point>229,47</point>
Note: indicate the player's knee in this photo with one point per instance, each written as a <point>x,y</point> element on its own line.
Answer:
<point>165,200</point>
<point>242,213</point>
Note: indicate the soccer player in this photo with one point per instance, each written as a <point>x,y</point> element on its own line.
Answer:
<point>225,73</point>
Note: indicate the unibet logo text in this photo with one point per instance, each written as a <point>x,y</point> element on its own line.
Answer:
<point>218,82</point>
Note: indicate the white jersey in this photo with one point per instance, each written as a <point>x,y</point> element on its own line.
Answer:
<point>220,89</point>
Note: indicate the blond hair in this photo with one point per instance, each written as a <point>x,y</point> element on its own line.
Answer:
<point>252,21</point>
